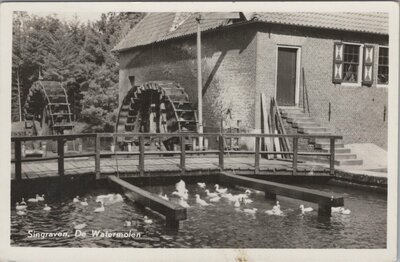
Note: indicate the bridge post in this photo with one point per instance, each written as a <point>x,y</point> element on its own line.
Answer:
<point>295,150</point>
<point>17,155</point>
<point>60,151</point>
<point>257,156</point>
<point>324,210</point>
<point>221,152</point>
<point>141,155</point>
<point>183,154</point>
<point>97,157</point>
<point>332,157</point>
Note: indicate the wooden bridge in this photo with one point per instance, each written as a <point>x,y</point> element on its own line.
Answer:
<point>137,161</point>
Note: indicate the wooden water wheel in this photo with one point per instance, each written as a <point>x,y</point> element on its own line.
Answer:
<point>157,107</point>
<point>47,103</point>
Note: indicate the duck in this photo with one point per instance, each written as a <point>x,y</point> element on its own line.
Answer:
<point>200,201</point>
<point>211,194</point>
<point>46,207</point>
<point>250,211</point>
<point>276,210</point>
<point>336,209</point>
<point>79,226</point>
<point>346,211</point>
<point>182,194</point>
<point>237,203</point>
<point>33,200</point>
<point>215,199</point>
<point>305,209</point>
<point>100,209</point>
<point>40,198</point>
<point>76,199</point>
<point>165,197</point>
<point>201,185</point>
<point>19,207</point>
<point>84,202</point>
<point>228,196</point>
<point>21,213</point>
<point>247,192</point>
<point>180,186</point>
<point>127,223</point>
<point>220,190</point>
<point>23,203</point>
<point>147,220</point>
<point>183,203</point>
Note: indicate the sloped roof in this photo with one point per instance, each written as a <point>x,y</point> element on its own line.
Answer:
<point>157,27</point>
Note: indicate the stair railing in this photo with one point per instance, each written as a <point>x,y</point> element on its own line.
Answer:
<point>306,104</point>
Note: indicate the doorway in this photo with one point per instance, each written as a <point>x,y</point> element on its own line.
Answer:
<point>287,78</point>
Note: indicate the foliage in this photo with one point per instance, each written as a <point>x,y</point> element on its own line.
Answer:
<point>78,55</point>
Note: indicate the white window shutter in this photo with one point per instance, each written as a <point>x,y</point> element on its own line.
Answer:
<point>337,74</point>
<point>368,64</point>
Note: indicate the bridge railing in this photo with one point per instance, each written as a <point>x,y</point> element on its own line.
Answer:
<point>141,152</point>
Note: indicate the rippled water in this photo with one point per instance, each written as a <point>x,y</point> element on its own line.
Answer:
<point>215,226</point>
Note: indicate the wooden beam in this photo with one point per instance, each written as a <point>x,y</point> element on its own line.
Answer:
<point>97,157</point>
<point>60,151</point>
<point>141,155</point>
<point>183,154</point>
<point>221,152</point>
<point>295,150</point>
<point>172,212</point>
<point>324,200</point>
<point>18,163</point>
<point>332,157</point>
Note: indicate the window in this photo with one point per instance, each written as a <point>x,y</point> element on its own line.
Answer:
<point>351,61</point>
<point>383,66</point>
<point>347,63</point>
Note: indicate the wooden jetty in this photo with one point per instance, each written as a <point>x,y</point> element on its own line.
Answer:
<point>144,162</point>
<point>172,211</point>
<point>324,200</point>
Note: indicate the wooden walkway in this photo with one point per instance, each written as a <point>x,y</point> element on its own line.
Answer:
<point>157,165</point>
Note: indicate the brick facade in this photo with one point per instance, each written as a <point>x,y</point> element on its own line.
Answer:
<point>240,63</point>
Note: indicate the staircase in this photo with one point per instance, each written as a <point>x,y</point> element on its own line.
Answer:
<point>302,123</point>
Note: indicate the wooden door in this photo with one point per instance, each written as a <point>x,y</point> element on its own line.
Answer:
<point>286,78</point>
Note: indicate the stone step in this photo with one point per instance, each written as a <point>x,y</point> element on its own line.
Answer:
<point>286,114</point>
<point>300,124</point>
<point>338,162</point>
<point>345,156</point>
<point>326,145</point>
<point>338,150</point>
<point>303,118</point>
<point>296,115</point>
<point>313,130</point>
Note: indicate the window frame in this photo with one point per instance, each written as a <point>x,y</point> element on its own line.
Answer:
<point>377,69</point>
<point>360,65</point>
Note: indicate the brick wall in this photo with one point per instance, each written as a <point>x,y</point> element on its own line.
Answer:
<point>356,112</point>
<point>228,72</point>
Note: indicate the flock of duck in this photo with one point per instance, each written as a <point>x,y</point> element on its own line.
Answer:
<point>22,207</point>
<point>240,201</point>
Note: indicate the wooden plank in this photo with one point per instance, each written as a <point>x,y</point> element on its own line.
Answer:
<point>97,157</point>
<point>171,211</point>
<point>295,149</point>
<point>60,151</point>
<point>18,164</point>
<point>332,157</point>
<point>323,199</point>
<point>141,155</point>
<point>221,152</point>
<point>267,141</point>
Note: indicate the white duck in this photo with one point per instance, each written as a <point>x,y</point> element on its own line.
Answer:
<point>147,220</point>
<point>336,209</point>
<point>46,207</point>
<point>20,207</point>
<point>305,209</point>
<point>76,199</point>
<point>202,185</point>
<point>250,211</point>
<point>346,211</point>
<point>33,200</point>
<point>183,203</point>
<point>21,213</point>
<point>165,197</point>
<point>100,209</point>
<point>200,201</point>
<point>276,210</point>
<point>237,203</point>
<point>79,226</point>
<point>211,194</point>
<point>40,198</point>
<point>220,190</point>
<point>215,199</point>
<point>23,203</point>
<point>180,186</point>
<point>84,202</point>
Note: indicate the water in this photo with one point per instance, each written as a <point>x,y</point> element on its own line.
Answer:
<point>217,226</point>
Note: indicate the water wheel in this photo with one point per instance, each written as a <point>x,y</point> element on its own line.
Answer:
<point>47,104</point>
<point>156,107</point>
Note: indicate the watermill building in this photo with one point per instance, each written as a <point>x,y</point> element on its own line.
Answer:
<point>333,66</point>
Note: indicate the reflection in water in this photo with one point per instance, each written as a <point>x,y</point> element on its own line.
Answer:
<point>217,226</point>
